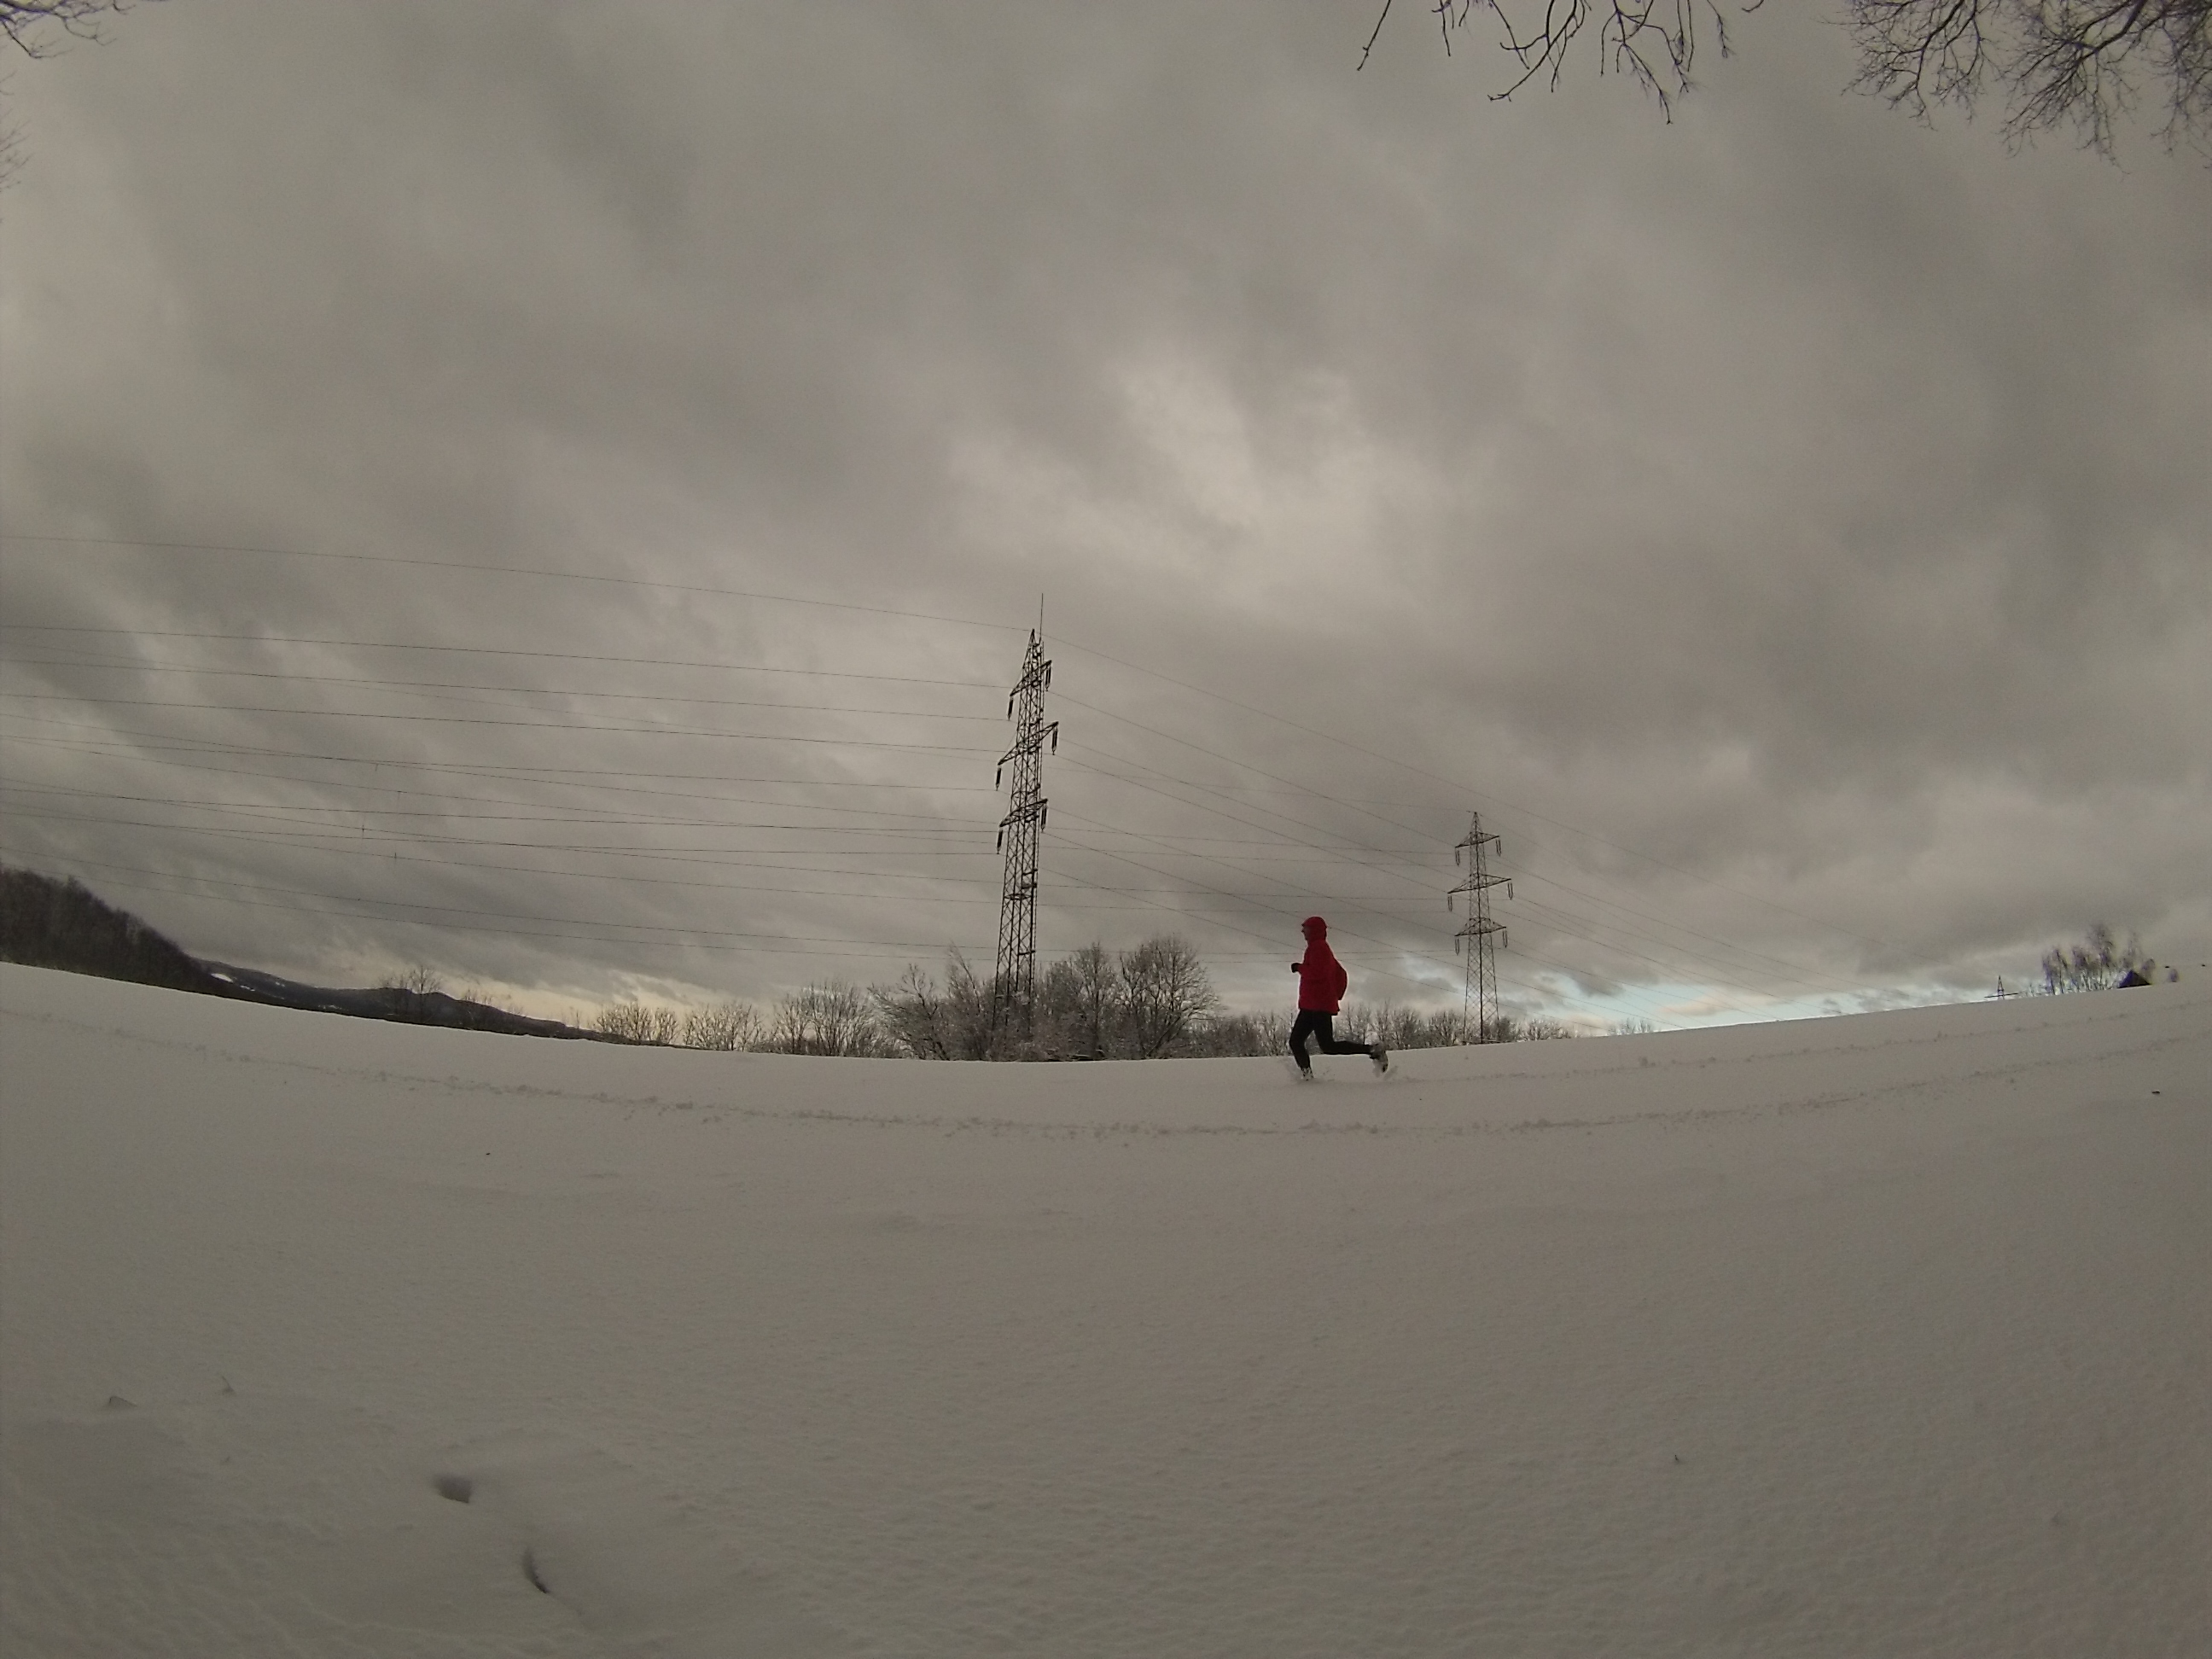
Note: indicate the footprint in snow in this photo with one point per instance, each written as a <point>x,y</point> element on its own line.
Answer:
<point>637,1568</point>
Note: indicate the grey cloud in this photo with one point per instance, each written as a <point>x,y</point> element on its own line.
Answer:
<point>1794,495</point>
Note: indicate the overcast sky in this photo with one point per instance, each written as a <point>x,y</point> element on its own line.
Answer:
<point>1787,526</point>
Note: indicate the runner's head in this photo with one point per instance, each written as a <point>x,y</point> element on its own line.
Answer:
<point>1315,928</point>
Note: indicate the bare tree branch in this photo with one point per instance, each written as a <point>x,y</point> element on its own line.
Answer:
<point>2054,63</point>
<point>1653,42</point>
<point>1374,35</point>
<point>24,21</point>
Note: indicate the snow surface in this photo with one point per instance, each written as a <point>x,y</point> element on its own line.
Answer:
<point>1880,1335</point>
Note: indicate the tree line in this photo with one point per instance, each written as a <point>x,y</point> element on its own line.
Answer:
<point>2099,961</point>
<point>47,923</point>
<point>1153,1001</point>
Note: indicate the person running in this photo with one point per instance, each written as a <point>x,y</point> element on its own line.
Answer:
<point>1322,982</point>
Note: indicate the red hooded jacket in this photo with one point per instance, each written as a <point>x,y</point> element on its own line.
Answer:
<point>1322,978</point>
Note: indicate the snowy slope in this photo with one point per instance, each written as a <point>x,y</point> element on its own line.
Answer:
<point>1882,1336</point>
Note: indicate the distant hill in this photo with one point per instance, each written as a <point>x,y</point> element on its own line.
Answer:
<point>45,923</point>
<point>384,1002</point>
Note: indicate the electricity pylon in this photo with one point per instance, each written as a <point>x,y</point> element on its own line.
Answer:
<point>1479,1000</point>
<point>1013,985</point>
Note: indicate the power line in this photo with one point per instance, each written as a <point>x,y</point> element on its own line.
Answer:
<point>654,585</point>
<point>1300,789</point>
<point>630,879</point>
<point>1237,927</point>
<point>1712,968</point>
<point>719,665</point>
<point>610,812</point>
<point>684,932</point>
<point>1418,771</point>
<point>382,856</point>
<point>539,776</point>
<point>1338,855</point>
<point>774,943</point>
<point>539,572</point>
<point>520,771</point>
<point>305,836</point>
<point>1125,760</point>
<point>429,687</point>
<point>478,720</point>
<point>624,852</point>
<point>448,814</point>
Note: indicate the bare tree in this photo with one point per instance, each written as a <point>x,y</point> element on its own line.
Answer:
<point>727,1026</point>
<point>29,23</point>
<point>952,1022</point>
<point>39,29</point>
<point>1653,42</point>
<point>2054,63</point>
<point>1077,1002</point>
<point>419,979</point>
<point>913,1014</point>
<point>2097,963</point>
<point>633,1022</point>
<point>1165,993</point>
<point>1396,1028</point>
<point>835,1018</point>
<point>1267,1033</point>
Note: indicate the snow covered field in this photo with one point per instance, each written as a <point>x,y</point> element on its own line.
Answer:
<point>1884,1335</point>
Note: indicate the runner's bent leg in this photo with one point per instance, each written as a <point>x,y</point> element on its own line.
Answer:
<point>1326,1038</point>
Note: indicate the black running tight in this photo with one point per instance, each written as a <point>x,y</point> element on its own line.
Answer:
<point>1321,1028</point>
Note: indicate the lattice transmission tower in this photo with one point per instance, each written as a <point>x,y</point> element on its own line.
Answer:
<point>1013,985</point>
<point>1479,1000</point>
